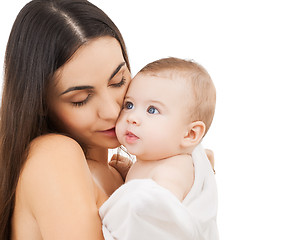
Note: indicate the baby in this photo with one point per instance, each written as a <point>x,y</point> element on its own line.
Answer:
<point>168,109</point>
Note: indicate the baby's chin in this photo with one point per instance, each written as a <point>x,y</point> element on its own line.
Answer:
<point>128,148</point>
<point>120,140</point>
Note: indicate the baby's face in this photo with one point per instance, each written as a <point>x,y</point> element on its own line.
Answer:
<point>153,121</point>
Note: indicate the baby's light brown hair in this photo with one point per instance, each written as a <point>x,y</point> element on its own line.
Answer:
<point>202,89</point>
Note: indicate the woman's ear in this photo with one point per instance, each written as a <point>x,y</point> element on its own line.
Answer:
<point>194,134</point>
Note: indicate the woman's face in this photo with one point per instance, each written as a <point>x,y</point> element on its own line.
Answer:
<point>86,96</point>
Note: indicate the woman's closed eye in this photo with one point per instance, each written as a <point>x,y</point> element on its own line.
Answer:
<point>152,110</point>
<point>81,103</point>
<point>119,84</point>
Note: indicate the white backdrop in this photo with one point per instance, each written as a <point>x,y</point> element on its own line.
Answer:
<point>243,46</point>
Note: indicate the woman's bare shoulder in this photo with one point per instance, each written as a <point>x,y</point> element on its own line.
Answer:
<point>57,187</point>
<point>53,153</point>
<point>54,156</point>
<point>53,144</point>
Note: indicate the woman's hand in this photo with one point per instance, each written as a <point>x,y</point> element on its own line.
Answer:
<point>210,155</point>
<point>121,164</point>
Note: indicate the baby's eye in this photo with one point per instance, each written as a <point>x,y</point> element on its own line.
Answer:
<point>152,110</point>
<point>128,105</point>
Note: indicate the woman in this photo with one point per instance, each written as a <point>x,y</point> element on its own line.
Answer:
<point>66,74</point>
<point>66,71</point>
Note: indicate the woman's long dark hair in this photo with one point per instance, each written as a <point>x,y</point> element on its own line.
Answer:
<point>44,36</point>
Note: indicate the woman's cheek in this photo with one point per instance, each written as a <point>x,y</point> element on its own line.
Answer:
<point>120,127</point>
<point>76,117</point>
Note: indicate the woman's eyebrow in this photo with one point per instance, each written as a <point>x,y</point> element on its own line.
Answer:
<point>116,70</point>
<point>76,88</point>
<point>90,87</point>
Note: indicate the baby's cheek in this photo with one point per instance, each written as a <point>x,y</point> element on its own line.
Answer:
<point>160,137</point>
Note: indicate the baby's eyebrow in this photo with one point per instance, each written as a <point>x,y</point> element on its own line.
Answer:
<point>157,102</point>
<point>127,97</point>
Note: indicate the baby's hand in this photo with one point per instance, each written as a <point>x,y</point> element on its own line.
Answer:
<point>210,155</point>
<point>121,164</point>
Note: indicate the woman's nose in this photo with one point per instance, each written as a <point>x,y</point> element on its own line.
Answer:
<point>109,108</point>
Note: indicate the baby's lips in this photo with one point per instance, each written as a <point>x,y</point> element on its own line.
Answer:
<point>130,134</point>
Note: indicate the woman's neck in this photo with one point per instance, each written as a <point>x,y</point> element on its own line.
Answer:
<point>105,176</point>
<point>97,154</point>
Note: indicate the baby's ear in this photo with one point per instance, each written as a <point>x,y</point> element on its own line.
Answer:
<point>194,134</point>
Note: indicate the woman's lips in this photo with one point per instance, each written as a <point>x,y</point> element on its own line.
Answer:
<point>130,137</point>
<point>109,132</point>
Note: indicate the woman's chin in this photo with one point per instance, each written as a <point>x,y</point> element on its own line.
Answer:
<point>103,143</point>
<point>110,143</point>
<point>115,145</point>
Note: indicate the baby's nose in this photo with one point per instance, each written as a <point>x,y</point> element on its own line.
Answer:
<point>132,118</point>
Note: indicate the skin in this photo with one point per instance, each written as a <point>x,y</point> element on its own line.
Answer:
<point>154,126</point>
<point>84,101</point>
<point>152,105</point>
<point>60,188</point>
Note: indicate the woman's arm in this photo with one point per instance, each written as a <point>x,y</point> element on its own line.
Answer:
<point>59,190</point>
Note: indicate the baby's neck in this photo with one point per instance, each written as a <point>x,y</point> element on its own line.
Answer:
<point>145,168</point>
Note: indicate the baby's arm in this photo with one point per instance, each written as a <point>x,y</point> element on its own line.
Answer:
<point>176,174</point>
